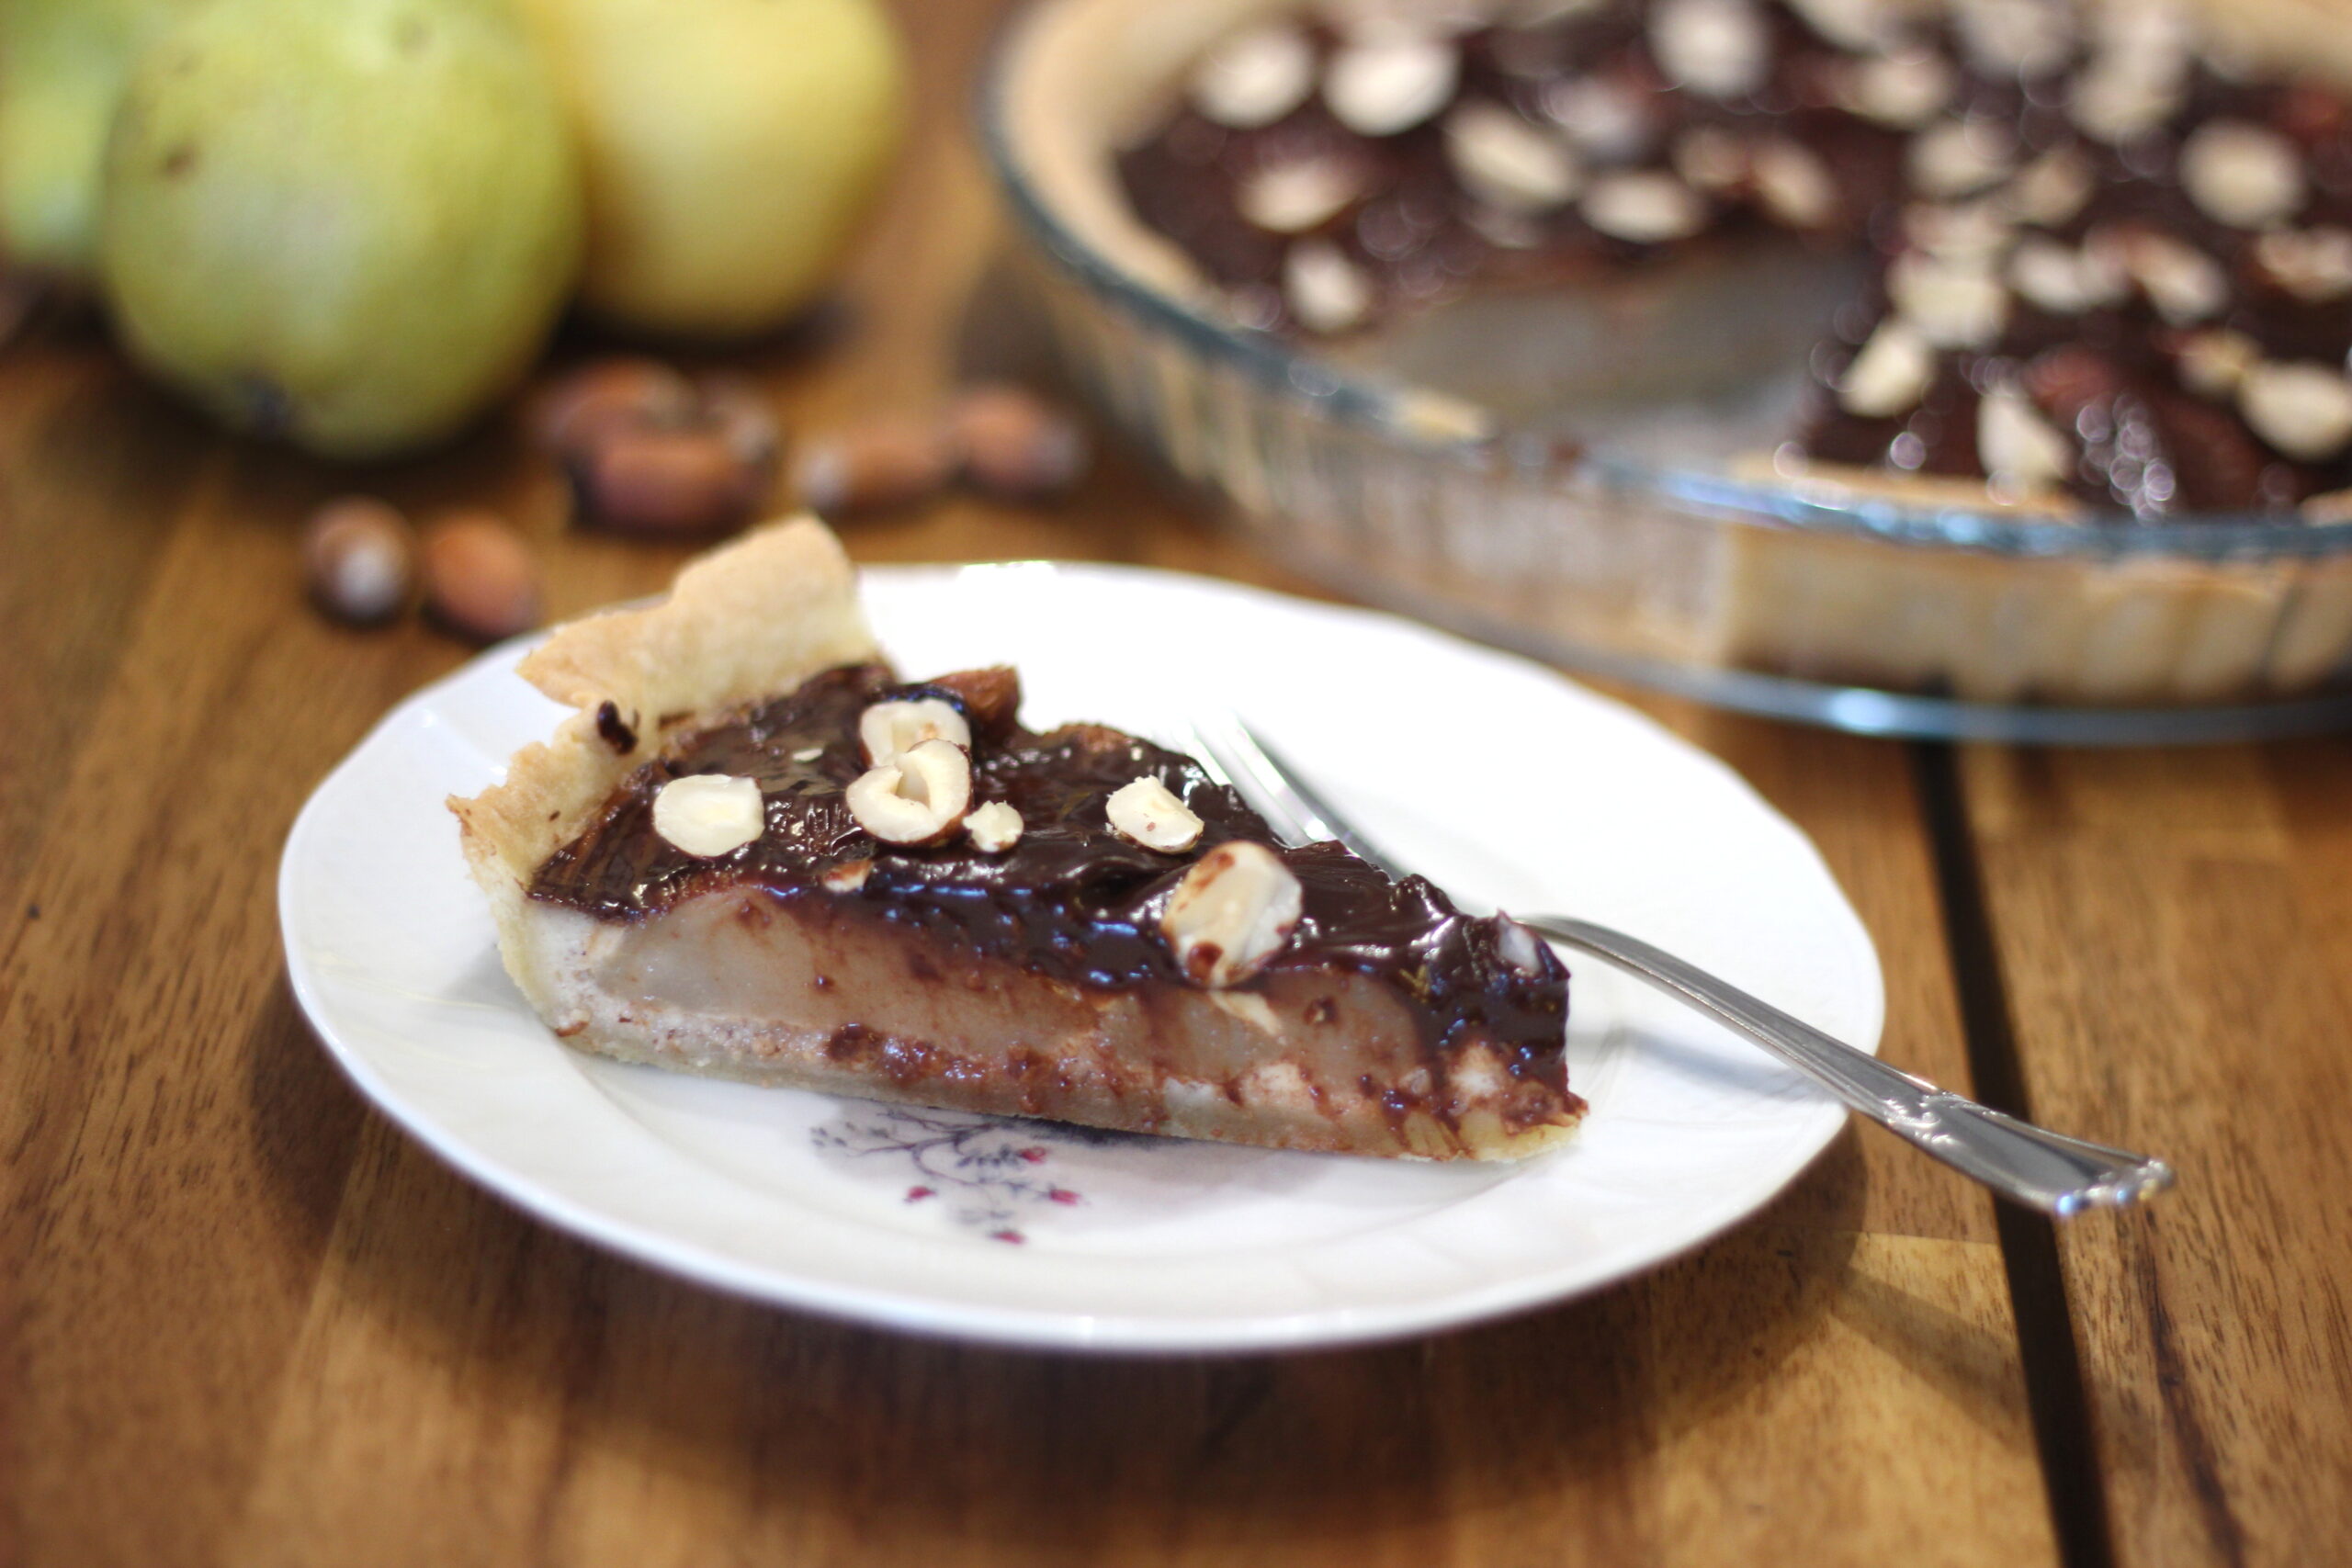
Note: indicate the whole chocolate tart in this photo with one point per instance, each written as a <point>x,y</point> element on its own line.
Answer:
<point>2106,248</point>
<point>1985,350</point>
<point>755,851</point>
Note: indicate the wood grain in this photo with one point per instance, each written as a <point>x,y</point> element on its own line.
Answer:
<point>244,1320</point>
<point>2172,930</point>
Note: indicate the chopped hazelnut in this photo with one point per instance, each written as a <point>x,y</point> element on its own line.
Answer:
<point>887,729</point>
<point>707,815</point>
<point>1953,304</point>
<point>1960,157</point>
<point>1234,910</point>
<point>2065,280</point>
<point>2212,362</point>
<point>1325,290</point>
<point>1903,90</point>
<point>1793,185</point>
<point>2021,448</point>
<point>2246,176</point>
<point>1148,812</point>
<point>918,797</point>
<point>2313,264</point>
<point>1890,375</point>
<point>2184,283</point>
<point>2304,411</point>
<point>1255,77</point>
<point>2021,38</point>
<point>993,828</point>
<point>1297,194</point>
<point>1644,207</point>
<point>1718,49</point>
<point>1380,85</point>
<point>1508,163</point>
<point>2049,191</point>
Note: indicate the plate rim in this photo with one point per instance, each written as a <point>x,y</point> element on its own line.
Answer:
<point>1032,1328</point>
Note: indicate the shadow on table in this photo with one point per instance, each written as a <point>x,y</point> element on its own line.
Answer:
<point>797,1432</point>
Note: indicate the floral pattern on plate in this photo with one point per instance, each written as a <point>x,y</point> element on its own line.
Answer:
<point>984,1173</point>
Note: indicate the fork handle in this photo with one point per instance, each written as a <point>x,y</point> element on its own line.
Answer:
<point>2043,1170</point>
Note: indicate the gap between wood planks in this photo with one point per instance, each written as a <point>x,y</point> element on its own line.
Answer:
<point>2053,1374</point>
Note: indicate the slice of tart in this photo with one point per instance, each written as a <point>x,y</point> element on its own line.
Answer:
<point>754,851</point>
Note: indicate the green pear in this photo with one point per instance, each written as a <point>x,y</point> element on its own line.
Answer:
<point>731,147</point>
<point>62,68</point>
<point>348,224</point>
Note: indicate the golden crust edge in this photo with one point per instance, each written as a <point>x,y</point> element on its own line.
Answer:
<point>753,617</point>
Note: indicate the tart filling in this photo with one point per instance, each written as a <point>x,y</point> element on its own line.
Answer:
<point>833,878</point>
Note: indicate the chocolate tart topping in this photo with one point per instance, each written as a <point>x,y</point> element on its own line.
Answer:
<point>2023,179</point>
<point>1071,899</point>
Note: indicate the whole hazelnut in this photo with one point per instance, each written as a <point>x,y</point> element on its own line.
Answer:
<point>359,558</point>
<point>742,414</point>
<point>871,466</point>
<point>574,411</point>
<point>668,480</point>
<point>1012,443</point>
<point>481,579</point>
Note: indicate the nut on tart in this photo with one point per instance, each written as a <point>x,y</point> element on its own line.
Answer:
<point>754,851</point>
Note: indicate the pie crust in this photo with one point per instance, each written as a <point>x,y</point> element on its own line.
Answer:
<point>735,979</point>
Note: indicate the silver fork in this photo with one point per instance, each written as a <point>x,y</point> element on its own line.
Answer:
<point>2044,1170</point>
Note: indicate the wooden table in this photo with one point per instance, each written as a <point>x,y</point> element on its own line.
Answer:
<point>243,1320</point>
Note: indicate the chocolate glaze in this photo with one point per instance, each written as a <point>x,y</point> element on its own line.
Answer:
<point>2149,447</point>
<point>1073,900</point>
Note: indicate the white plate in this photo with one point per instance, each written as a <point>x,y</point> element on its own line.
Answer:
<point>1498,778</point>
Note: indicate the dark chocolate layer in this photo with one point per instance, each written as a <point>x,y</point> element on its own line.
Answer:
<point>1073,900</point>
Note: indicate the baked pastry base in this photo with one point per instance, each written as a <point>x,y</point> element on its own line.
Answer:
<point>811,990</point>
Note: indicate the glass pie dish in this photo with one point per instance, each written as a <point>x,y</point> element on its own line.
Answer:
<point>1590,474</point>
